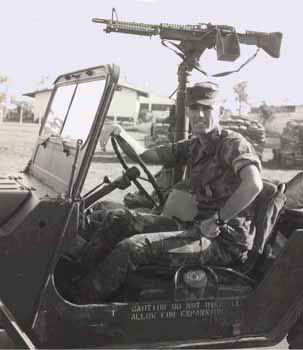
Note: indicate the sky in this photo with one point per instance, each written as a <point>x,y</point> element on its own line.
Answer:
<point>51,37</point>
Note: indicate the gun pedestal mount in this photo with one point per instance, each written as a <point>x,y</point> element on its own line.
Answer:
<point>180,126</point>
<point>190,61</point>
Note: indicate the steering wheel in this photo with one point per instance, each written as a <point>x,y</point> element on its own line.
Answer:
<point>119,143</point>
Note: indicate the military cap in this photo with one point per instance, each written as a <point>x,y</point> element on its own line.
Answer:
<point>202,93</point>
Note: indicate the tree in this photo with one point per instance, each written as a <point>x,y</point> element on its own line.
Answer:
<point>242,96</point>
<point>3,88</point>
<point>3,95</point>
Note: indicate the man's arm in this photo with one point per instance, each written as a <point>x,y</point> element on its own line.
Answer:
<point>250,186</point>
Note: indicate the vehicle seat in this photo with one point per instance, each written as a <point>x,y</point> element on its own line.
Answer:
<point>161,282</point>
<point>268,206</point>
<point>292,215</point>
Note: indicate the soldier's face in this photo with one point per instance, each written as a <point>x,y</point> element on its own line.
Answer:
<point>200,119</point>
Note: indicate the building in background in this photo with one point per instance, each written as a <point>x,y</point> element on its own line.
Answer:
<point>13,110</point>
<point>41,98</point>
<point>130,105</point>
<point>154,107</point>
<point>125,105</point>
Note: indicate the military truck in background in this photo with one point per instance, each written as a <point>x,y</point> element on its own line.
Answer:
<point>290,152</point>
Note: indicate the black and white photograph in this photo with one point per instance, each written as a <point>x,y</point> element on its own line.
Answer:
<point>151,174</point>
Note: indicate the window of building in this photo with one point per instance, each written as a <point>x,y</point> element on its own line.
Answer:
<point>125,119</point>
<point>160,107</point>
<point>143,107</point>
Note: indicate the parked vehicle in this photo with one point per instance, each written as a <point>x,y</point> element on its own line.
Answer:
<point>41,210</point>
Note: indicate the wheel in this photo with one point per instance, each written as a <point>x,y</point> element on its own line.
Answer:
<point>119,143</point>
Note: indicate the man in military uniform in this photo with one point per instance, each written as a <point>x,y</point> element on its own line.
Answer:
<point>224,174</point>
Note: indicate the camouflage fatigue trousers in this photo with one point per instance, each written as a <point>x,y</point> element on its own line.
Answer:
<point>163,242</point>
<point>110,225</point>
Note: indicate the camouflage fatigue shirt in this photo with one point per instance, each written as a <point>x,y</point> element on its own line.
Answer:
<point>214,164</point>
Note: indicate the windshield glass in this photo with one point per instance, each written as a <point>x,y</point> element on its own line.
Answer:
<point>58,110</point>
<point>73,110</point>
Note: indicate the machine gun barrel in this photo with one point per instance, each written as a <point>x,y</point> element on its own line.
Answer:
<point>164,30</point>
<point>128,27</point>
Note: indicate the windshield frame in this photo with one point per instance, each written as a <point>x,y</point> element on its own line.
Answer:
<point>75,80</point>
<point>57,163</point>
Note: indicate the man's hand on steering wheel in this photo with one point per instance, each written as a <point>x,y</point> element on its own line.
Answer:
<point>116,129</point>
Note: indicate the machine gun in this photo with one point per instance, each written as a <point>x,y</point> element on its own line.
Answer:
<point>222,37</point>
<point>193,40</point>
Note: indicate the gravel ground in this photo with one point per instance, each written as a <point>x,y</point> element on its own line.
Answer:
<point>16,144</point>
